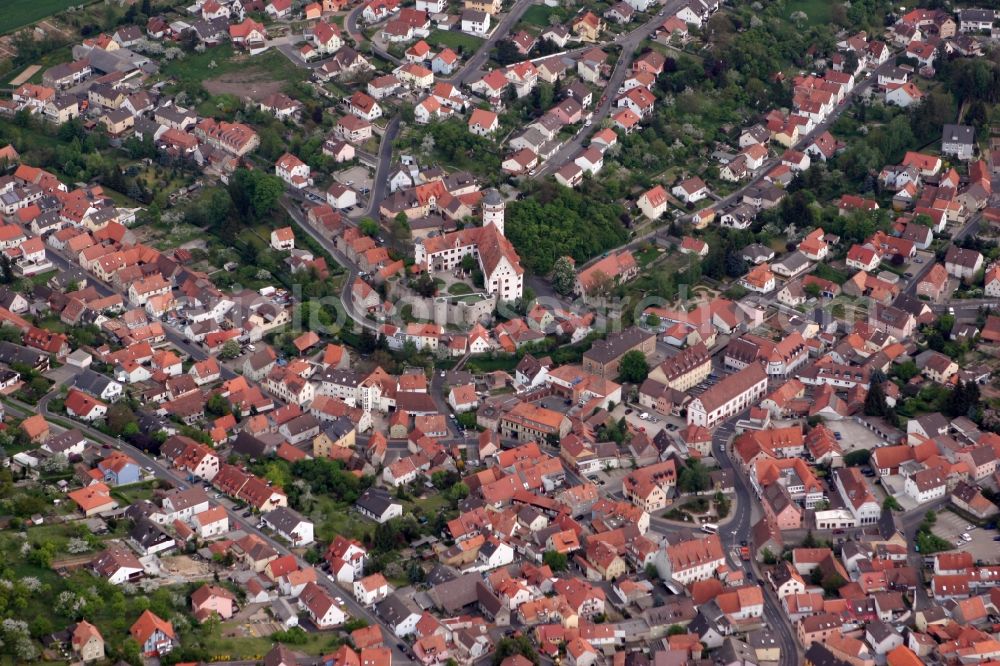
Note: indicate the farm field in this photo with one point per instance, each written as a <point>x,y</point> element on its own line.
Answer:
<point>16,14</point>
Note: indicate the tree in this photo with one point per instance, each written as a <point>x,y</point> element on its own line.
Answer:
<point>693,477</point>
<point>832,583</point>
<point>425,285</point>
<point>218,405</point>
<point>634,367</point>
<point>652,320</point>
<point>513,645</point>
<point>891,504</point>
<point>875,404</point>
<point>507,52</point>
<point>962,400</point>
<point>230,350</point>
<point>119,416</point>
<point>857,458</point>
<point>563,275</point>
<point>368,227</point>
<point>557,561</point>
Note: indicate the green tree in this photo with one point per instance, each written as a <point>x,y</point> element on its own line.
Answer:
<point>857,458</point>
<point>832,583</point>
<point>513,645</point>
<point>118,418</point>
<point>563,275</point>
<point>230,350</point>
<point>557,561</point>
<point>652,320</point>
<point>875,404</point>
<point>693,477</point>
<point>218,405</point>
<point>634,367</point>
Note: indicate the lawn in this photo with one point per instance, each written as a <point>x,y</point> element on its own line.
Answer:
<point>454,40</point>
<point>459,289</point>
<point>19,13</point>
<point>134,492</point>
<point>332,518</point>
<point>830,273</point>
<point>538,15</point>
<point>198,67</point>
<point>505,362</point>
<point>253,648</point>
<point>818,11</point>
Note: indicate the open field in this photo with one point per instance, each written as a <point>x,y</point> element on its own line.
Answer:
<point>222,71</point>
<point>455,40</point>
<point>253,83</point>
<point>19,13</point>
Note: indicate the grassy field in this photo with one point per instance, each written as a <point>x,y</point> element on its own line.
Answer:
<point>198,67</point>
<point>454,40</point>
<point>818,11</point>
<point>255,647</point>
<point>19,13</point>
<point>538,15</point>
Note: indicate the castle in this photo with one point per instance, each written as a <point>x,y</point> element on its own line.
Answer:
<point>496,255</point>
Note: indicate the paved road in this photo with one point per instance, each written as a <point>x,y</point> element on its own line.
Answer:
<point>173,336</point>
<point>293,209</point>
<point>381,180</point>
<point>737,530</point>
<point>474,64</point>
<point>629,43</point>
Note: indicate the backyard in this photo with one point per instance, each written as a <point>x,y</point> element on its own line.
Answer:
<point>539,15</point>
<point>455,40</point>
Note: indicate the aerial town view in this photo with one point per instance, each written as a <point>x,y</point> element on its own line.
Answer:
<point>500,332</point>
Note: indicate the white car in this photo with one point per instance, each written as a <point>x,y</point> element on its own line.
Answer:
<point>644,416</point>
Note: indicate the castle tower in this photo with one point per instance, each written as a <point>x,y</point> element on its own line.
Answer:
<point>493,206</point>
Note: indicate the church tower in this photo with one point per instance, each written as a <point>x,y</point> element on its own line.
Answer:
<point>493,207</point>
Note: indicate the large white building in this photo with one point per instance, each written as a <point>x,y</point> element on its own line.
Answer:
<point>857,496</point>
<point>498,260</point>
<point>690,561</point>
<point>729,397</point>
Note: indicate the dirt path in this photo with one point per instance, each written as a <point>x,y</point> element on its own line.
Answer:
<point>25,75</point>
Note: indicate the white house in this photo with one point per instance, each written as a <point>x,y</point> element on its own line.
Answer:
<point>475,22</point>
<point>323,610</point>
<point>293,171</point>
<point>378,505</point>
<point>691,190</point>
<point>341,197</point>
<point>371,589</point>
<point>653,202</point>
<point>728,397</point>
<point>926,485</point>
<point>290,526</point>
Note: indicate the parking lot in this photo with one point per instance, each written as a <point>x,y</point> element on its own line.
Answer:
<point>357,177</point>
<point>951,526</point>
<point>853,435</point>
